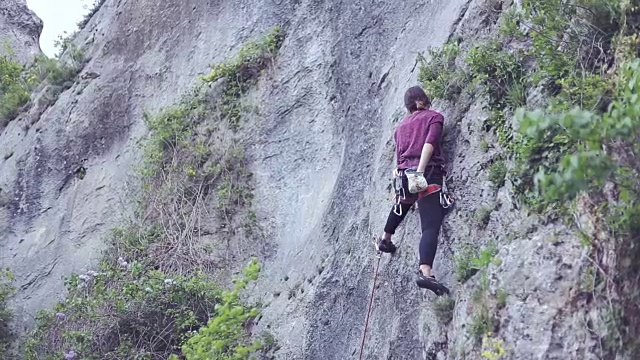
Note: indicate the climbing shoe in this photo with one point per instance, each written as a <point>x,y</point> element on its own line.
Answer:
<point>431,283</point>
<point>386,246</point>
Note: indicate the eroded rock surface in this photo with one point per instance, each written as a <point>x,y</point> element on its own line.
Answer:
<point>321,148</point>
<point>20,28</point>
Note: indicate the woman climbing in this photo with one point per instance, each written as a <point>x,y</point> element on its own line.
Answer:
<point>418,154</point>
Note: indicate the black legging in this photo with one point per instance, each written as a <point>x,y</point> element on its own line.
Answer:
<point>431,216</point>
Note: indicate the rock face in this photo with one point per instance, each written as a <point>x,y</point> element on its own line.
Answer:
<point>21,29</point>
<point>321,146</point>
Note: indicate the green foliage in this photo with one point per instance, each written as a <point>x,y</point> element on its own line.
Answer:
<point>439,75</point>
<point>499,73</point>
<point>566,34</point>
<point>464,268</point>
<point>482,323</point>
<point>222,338</point>
<point>516,95</point>
<point>172,130</point>
<point>14,92</point>
<point>492,348</point>
<point>55,72</point>
<point>16,82</point>
<point>242,71</point>
<point>501,298</point>
<point>124,310</point>
<point>443,309</point>
<point>469,261</point>
<point>485,257</point>
<point>497,173</point>
<point>483,215</point>
<point>484,145</point>
<point>510,24</point>
<point>6,290</point>
<point>588,165</point>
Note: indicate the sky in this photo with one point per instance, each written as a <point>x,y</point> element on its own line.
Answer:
<point>58,16</point>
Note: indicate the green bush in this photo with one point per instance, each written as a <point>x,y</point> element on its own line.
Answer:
<point>223,336</point>
<point>499,72</point>
<point>589,165</point>
<point>501,298</point>
<point>6,290</point>
<point>469,261</point>
<point>439,75</point>
<point>14,92</point>
<point>497,173</point>
<point>482,323</point>
<point>130,310</point>
<point>483,215</point>
<point>124,310</point>
<point>241,72</point>
<point>443,309</point>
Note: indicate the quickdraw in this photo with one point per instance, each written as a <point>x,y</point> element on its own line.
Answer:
<point>400,192</point>
<point>445,199</point>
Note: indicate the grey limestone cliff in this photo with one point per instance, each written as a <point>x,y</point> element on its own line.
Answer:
<point>19,30</point>
<point>321,149</point>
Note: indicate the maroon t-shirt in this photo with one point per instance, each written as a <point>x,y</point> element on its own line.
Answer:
<point>415,130</point>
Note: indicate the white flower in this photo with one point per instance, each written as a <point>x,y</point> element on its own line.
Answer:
<point>71,355</point>
<point>148,289</point>
<point>169,282</point>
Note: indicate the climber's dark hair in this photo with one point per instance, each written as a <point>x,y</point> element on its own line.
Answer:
<point>415,95</point>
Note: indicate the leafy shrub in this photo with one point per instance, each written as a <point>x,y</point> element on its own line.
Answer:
<point>498,71</point>
<point>223,336</point>
<point>483,215</point>
<point>501,298</point>
<point>469,261</point>
<point>589,165</point>
<point>443,309</point>
<point>440,76</point>
<point>129,310</point>
<point>6,290</point>
<point>14,92</point>
<point>243,70</point>
<point>124,310</point>
<point>492,348</point>
<point>497,173</point>
<point>482,322</point>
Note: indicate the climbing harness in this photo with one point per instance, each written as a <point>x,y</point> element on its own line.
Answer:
<point>446,200</point>
<point>373,290</point>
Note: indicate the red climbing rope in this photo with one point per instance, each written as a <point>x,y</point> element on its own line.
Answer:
<point>366,323</point>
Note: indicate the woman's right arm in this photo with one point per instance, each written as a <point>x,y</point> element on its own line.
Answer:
<point>433,137</point>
